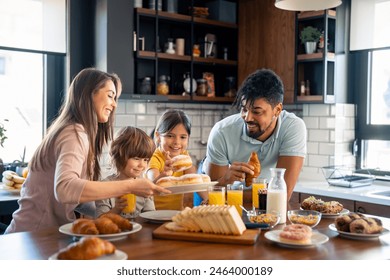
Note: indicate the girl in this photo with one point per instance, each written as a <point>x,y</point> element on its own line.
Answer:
<point>130,153</point>
<point>64,171</point>
<point>171,136</point>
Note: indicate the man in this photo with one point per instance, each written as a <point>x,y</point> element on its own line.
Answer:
<point>278,137</point>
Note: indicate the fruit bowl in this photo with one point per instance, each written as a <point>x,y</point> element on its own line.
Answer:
<point>262,219</point>
<point>310,218</point>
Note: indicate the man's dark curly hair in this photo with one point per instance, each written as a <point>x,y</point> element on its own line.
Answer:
<point>263,83</point>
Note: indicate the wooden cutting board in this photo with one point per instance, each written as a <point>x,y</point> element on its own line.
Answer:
<point>249,237</point>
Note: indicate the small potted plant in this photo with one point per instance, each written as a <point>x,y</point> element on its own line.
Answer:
<point>3,137</point>
<point>310,37</point>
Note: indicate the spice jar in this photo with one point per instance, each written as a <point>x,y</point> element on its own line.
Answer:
<point>196,50</point>
<point>162,86</point>
<point>201,89</point>
<point>146,86</point>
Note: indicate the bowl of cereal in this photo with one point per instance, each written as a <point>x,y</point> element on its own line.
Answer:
<point>262,219</point>
<point>310,218</point>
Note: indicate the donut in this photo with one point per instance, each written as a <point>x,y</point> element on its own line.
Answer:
<point>190,179</point>
<point>296,233</point>
<point>205,178</point>
<point>187,179</point>
<point>181,163</point>
<point>168,181</point>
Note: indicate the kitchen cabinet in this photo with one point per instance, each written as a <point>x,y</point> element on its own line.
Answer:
<point>267,40</point>
<point>154,29</point>
<point>315,72</point>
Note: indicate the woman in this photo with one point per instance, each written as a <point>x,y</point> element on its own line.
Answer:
<point>65,168</point>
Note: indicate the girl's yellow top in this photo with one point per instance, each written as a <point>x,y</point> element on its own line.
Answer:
<point>166,202</point>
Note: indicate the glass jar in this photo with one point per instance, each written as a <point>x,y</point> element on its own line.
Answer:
<point>162,86</point>
<point>196,50</point>
<point>146,86</point>
<point>201,89</point>
<point>277,194</point>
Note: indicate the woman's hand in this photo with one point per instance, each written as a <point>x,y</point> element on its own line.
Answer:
<point>146,188</point>
<point>237,172</point>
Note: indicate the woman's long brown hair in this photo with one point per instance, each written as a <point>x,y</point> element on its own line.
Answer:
<point>79,109</point>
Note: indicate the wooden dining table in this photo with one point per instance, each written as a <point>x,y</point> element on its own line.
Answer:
<point>41,244</point>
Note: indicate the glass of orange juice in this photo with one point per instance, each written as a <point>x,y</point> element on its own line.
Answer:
<point>235,196</point>
<point>217,195</point>
<point>258,184</point>
<point>130,211</point>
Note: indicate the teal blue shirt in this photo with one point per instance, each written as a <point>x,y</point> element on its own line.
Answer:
<point>228,142</point>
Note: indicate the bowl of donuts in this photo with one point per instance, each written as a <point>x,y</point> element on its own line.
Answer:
<point>262,219</point>
<point>310,218</point>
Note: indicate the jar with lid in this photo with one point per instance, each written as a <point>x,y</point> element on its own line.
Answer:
<point>277,194</point>
<point>196,50</point>
<point>201,89</point>
<point>162,86</point>
<point>146,86</point>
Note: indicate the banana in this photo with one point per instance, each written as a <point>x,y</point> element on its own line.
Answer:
<point>8,183</point>
<point>8,174</point>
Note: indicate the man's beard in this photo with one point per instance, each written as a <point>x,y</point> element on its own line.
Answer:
<point>254,134</point>
<point>259,132</point>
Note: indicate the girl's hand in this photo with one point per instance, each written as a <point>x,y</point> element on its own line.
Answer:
<point>168,171</point>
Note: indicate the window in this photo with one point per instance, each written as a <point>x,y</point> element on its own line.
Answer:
<point>32,75</point>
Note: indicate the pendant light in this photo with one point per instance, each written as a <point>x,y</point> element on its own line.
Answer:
<point>306,5</point>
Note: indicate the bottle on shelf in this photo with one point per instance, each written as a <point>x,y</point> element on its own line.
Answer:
<point>303,88</point>
<point>277,194</point>
<point>307,87</point>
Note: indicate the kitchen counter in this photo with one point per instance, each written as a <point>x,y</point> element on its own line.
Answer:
<point>364,194</point>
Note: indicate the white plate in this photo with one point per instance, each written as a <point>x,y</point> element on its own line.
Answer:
<point>316,239</point>
<point>330,216</point>
<point>9,190</point>
<point>160,216</point>
<point>360,236</point>
<point>118,255</point>
<point>190,188</point>
<point>67,229</point>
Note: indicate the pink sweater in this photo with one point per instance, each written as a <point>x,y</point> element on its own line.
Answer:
<point>49,198</point>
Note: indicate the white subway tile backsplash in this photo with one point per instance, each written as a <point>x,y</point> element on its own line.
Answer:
<point>311,122</point>
<point>319,110</point>
<point>124,120</point>
<point>318,135</point>
<point>327,123</point>
<point>318,160</point>
<point>312,148</point>
<point>327,149</point>
<point>135,107</point>
<point>146,120</point>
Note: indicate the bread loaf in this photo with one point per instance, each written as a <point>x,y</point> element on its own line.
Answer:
<point>187,179</point>
<point>216,219</point>
<point>181,163</point>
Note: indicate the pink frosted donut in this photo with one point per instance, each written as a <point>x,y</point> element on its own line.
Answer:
<point>297,233</point>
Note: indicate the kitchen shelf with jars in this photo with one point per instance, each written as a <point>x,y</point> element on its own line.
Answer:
<point>315,56</point>
<point>184,55</point>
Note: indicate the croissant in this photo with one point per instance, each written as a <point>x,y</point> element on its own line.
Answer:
<point>84,226</point>
<point>88,248</point>
<point>106,226</point>
<point>255,162</point>
<point>122,223</point>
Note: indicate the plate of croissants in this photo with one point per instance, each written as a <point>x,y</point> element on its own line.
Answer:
<point>108,226</point>
<point>90,248</point>
<point>358,226</point>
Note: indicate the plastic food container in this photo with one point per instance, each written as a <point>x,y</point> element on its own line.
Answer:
<point>341,176</point>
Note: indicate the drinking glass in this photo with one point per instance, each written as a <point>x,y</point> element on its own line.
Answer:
<point>258,183</point>
<point>216,195</point>
<point>130,211</point>
<point>235,196</point>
